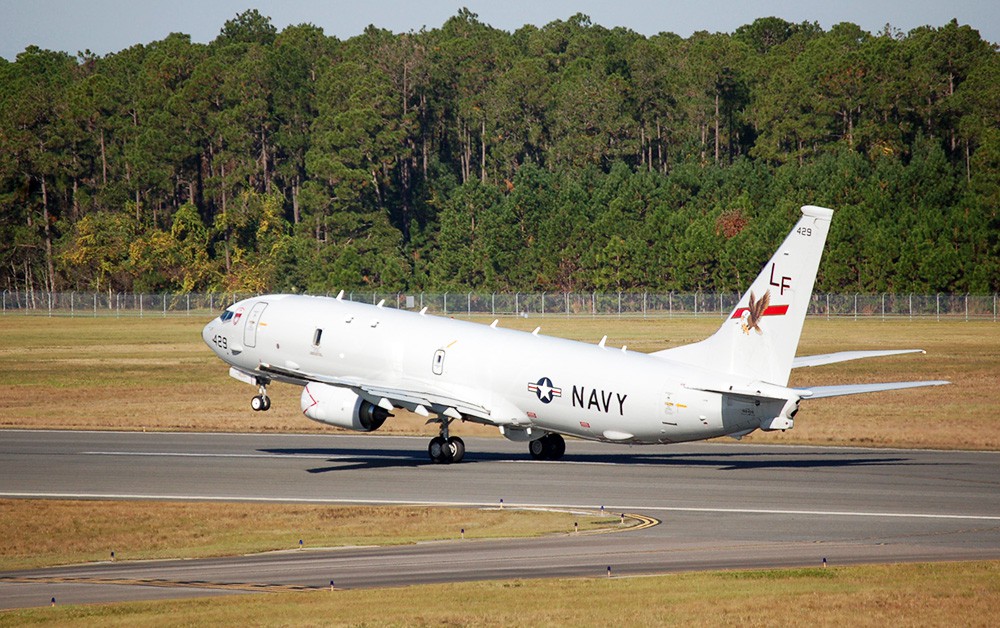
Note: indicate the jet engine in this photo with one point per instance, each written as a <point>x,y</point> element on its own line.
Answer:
<point>341,407</point>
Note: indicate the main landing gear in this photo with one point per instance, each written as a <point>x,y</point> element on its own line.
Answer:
<point>548,447</point>
<point>445,449</point>
<point>261,403</point>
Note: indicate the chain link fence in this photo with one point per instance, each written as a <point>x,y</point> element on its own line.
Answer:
<point>630,304</point>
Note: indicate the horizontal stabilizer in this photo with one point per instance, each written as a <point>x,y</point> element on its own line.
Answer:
<point>819,392</point>
<point>844,356</point>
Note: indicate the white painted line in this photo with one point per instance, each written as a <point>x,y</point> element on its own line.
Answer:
<point>461,504</point>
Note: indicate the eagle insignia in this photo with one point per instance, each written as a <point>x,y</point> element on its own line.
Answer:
<point>750,319</point>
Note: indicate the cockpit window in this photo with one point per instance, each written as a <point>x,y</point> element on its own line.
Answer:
<point>227,315</point>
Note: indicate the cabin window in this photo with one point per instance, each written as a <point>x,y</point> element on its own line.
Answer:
<point>317,336</point>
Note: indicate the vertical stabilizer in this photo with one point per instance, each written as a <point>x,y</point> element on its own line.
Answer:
<point>759,338</point>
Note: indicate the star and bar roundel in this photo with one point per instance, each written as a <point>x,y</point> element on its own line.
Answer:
<point>544,390</point>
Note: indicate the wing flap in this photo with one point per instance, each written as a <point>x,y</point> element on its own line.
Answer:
<point>439,401</point>
<point>819,392</point>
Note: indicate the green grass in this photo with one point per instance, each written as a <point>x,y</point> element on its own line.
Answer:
<point>938,594</point>
<point>155,373</point>
<point>39,533</point>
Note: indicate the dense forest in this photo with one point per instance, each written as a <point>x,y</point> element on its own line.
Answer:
<point>564,158</point>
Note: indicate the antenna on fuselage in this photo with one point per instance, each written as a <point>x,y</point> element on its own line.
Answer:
<point>340,295</point>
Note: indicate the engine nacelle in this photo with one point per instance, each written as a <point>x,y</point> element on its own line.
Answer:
<point>341,407</point>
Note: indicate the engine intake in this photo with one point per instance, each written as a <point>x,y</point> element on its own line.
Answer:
<point>341,407</point>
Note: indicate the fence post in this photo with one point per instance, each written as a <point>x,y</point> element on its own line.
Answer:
<point>644,305</point>
<point>566,298</point>
<point>445,303</point>
<point>619,304</point>
<point>469,303</point>
<point>855,306</point>
<point>938,301</point>
<point>966,307</point>
<point>95,305</point>
<point>543,304</point>
<point>911,306</point>
<point>517,305</point>
<point>827,306</point>
<point>670,300</point>
<point>493,304</point>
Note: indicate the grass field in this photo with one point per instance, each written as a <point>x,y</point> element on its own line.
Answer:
<point>940,594</point>
<point>156,374</point>
<point>41,533</point>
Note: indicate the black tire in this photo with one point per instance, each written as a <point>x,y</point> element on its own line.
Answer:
<point>439,451</point>
<point>257,403</point>
<point>457,449</point>
<point>267,404</point>
<point>538,449</point>
<point>557,446</point>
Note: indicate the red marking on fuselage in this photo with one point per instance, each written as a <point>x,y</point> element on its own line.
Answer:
<point>772,310</point>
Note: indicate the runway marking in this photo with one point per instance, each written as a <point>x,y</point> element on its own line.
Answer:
<point>461,504</point>
<point>155,582</point>
<point>173,454</point>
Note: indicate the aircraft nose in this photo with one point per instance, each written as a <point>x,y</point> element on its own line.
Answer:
<point>207,333</point>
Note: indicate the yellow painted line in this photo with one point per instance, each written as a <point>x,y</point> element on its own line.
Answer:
<point>644,523</point>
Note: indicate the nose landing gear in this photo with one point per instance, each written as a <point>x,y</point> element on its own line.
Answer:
<point>261,402</point>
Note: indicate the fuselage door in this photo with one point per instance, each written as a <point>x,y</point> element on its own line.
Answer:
<point>438,364</point>
<point>250,331</point>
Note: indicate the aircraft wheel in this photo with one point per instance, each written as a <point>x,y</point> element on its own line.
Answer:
<point>457,448</point>
<point>557,446</point>
<point>439,450</point>
<point>537,449</point>
<point>267,404</point>
<point>257,403</point>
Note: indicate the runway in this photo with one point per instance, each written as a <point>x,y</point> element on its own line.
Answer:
<point>721,506</point>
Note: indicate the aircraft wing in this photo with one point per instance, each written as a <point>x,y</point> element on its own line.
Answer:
<point>819,392</point>
<point>844,356</point>
<point>436,400</point>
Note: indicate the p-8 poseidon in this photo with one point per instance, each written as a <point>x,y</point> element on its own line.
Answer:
<point>358,362</point>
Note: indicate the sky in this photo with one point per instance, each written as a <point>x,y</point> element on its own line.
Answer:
<point>106,26</point>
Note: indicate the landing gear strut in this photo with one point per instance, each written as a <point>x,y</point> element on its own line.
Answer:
<point>548,447</point>
<point>261,403</point>
<point>445,449</point>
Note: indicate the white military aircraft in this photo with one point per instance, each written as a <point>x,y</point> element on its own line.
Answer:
<point>359,362</point>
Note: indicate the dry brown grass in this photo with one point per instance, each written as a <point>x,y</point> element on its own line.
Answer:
<point>36,533</point>
<point>940,594</point>
<point>155,373</point>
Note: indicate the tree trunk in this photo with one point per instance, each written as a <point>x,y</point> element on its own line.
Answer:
<point>47,229</point>
<point>716,127</point>
<point>104,161</point>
